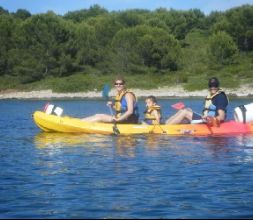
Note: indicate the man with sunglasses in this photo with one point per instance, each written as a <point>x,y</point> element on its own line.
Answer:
<point>214,111</point>
<point>125,106</point>
<point>215,103</point>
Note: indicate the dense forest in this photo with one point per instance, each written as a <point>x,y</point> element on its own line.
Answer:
<point>82,50</point>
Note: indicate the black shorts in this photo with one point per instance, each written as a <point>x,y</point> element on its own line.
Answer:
<point>196,116</point>
<point>132,119</point>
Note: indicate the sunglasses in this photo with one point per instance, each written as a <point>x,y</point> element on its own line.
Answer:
<point>118,84</point>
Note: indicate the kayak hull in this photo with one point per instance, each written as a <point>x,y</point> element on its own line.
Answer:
<point>53,123</point>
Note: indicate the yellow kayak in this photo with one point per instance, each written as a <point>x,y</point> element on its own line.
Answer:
<point>65,124</point>
<point>53,123</point>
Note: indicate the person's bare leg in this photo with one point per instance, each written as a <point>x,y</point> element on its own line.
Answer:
<point>180,116</point>
<point>98,118</point>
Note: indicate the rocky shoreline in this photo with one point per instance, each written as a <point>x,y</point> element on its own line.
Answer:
<point>177,91</point>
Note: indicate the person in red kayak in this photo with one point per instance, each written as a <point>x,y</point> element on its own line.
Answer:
<point>124,104</point>
<point>214,111</point>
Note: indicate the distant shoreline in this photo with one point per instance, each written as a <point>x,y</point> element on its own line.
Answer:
<point>163,92</point>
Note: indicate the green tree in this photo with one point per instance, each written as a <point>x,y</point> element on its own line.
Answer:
<point>213,18</point>
<point>237,22</point>
<point>156,22</point>
<point>7,27</point>
<point>46,37</point>
<point>3,11</point>
<point>26,66</point>
<point>84,14</point>
<point>249,39</point>
<point>105,28</point>
<point>160,49</point>
<point>241,20</point>
<point>130,18</point>
<point>222,48</point>
<point>125,51</point>
<point>22,14</point>
<point>181,22</point>
<point>146,46</point>
<point>86,44</point>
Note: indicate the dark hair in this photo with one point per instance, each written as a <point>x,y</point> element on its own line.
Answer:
<point>152,98</point>
<point>213,82</point>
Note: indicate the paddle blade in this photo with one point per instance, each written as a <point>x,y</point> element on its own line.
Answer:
<point>105,91</point>
<point>178,106</point>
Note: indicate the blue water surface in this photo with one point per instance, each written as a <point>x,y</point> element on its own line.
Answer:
<point>52,175</point>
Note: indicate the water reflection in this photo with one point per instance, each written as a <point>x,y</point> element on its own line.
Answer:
<point>152,141</point>
<point>121,145</point>
<point>246,144</point>
<point>218,144</point>
<point>126,145</point>
<point>60,140</point>
<point>153,145</point>
<point>245,140</point>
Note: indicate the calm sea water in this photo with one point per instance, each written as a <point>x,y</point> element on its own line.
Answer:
<point>50,175</point>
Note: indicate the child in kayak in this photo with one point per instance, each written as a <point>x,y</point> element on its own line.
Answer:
<point>152,112</point>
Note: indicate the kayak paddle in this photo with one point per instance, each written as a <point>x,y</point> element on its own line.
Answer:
<point>105,94</point>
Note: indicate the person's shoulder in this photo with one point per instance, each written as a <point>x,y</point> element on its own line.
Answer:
<point>221,93</point>
<point>155,111</point>
<point>222,97</point>
<point>130,95</point>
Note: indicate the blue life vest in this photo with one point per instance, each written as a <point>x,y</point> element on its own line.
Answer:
<point>121,104</point>
<point>209,108</point>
